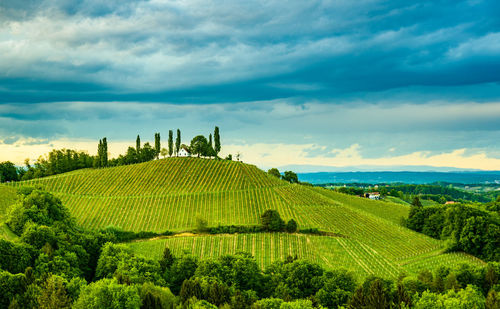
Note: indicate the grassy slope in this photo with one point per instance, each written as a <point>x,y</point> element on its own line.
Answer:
<point>169,194</point>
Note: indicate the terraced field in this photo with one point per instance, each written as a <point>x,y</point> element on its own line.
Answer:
<point>169,194</point>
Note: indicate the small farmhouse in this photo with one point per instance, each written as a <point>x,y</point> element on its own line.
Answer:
<point>184,152</point>
<point>373,195</point>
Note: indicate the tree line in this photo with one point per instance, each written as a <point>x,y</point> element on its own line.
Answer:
<point>468,228</point>
<point>57,264</point>
<point>289,176</point>
<point>435,192</point>
<point>66,160</point>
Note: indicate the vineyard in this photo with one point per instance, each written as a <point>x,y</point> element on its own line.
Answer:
<point>170,194</point>
<point>7,197</point>
<point>330,252</point>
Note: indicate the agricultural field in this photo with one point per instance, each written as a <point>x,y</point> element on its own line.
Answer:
<point>8,197</point>
<point>330,252</point>
<point>170,194</point>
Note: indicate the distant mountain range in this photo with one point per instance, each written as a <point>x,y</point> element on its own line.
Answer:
<point>409,177</point>
<point>376,168</point>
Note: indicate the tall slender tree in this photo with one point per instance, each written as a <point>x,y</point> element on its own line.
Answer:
<point>178,142</point>
<point>170,143</point>
<point>157,145</point>
<point>138,144</point>
<point>104,154</point>
<point>98,160</point>
<point>210,150</point>
<point>216,141</point>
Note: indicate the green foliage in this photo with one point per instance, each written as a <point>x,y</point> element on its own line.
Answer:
<point>167,259</point>
<point>463,299</point>
<point>53,294</point>
<point>291,226</point>
<point>38,207</point>
<point>434,192</point>
<point>271,221</point>
<point>153,296</point>
<point>74,287</point>
<point>337,288</point>
<point>178,142</point>
<point>38,235</point>
<point>373,293</point>
<point>16,257</point>
<point>170,143</point>
<point>108,293</point>
<point>274,172</point>
<point>295,280</point>
<point>298,304</point>
<point>217,145</point>
<point>117,261</point>
<point>157,144</point>
<point>183,268</point>
<point>268,303</point>
<point>492,300</point>
<point>199,146</point>
<point>290,176</point>
<point>10,285</point>
<point>416,202</point>
<point>101,160</point>
<point>201,225</point>
<point>8,172</point>
<point>466,228</point>
<point>57,162</point>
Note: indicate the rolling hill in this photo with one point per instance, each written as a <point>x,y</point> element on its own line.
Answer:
<point>169,194</point>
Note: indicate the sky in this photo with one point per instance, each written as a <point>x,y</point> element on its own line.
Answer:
<point>316,85</point>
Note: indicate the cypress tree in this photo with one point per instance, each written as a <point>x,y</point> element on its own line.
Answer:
<point>99,154</point>
<point>216,141</point>
<point>157,144</point>
<point>138,144</point>
<point>210,150</point>
<point>170,143</point>
<point>104,152</point>
<point>178,142</point>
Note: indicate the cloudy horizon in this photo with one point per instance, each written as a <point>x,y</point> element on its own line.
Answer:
<point>316,83</point>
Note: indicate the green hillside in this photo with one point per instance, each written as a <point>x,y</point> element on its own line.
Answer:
<point>8,196</point>
<point>169,194</point>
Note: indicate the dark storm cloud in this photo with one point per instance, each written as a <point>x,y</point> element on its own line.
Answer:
<point>215,51</point>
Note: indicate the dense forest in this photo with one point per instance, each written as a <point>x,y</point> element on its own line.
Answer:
<point>57,264</point>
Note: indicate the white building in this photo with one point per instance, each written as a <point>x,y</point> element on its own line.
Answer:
<point>374,195</point>
<point>183,152</point>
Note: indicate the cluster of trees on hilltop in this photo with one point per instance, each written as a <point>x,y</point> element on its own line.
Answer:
<point>57,264</point>
<point>66,160</point>
<point>465,227</point>
<point>289,176</point>
<point>200,146</point>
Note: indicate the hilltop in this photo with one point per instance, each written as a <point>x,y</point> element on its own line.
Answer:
<point>169,194</point>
